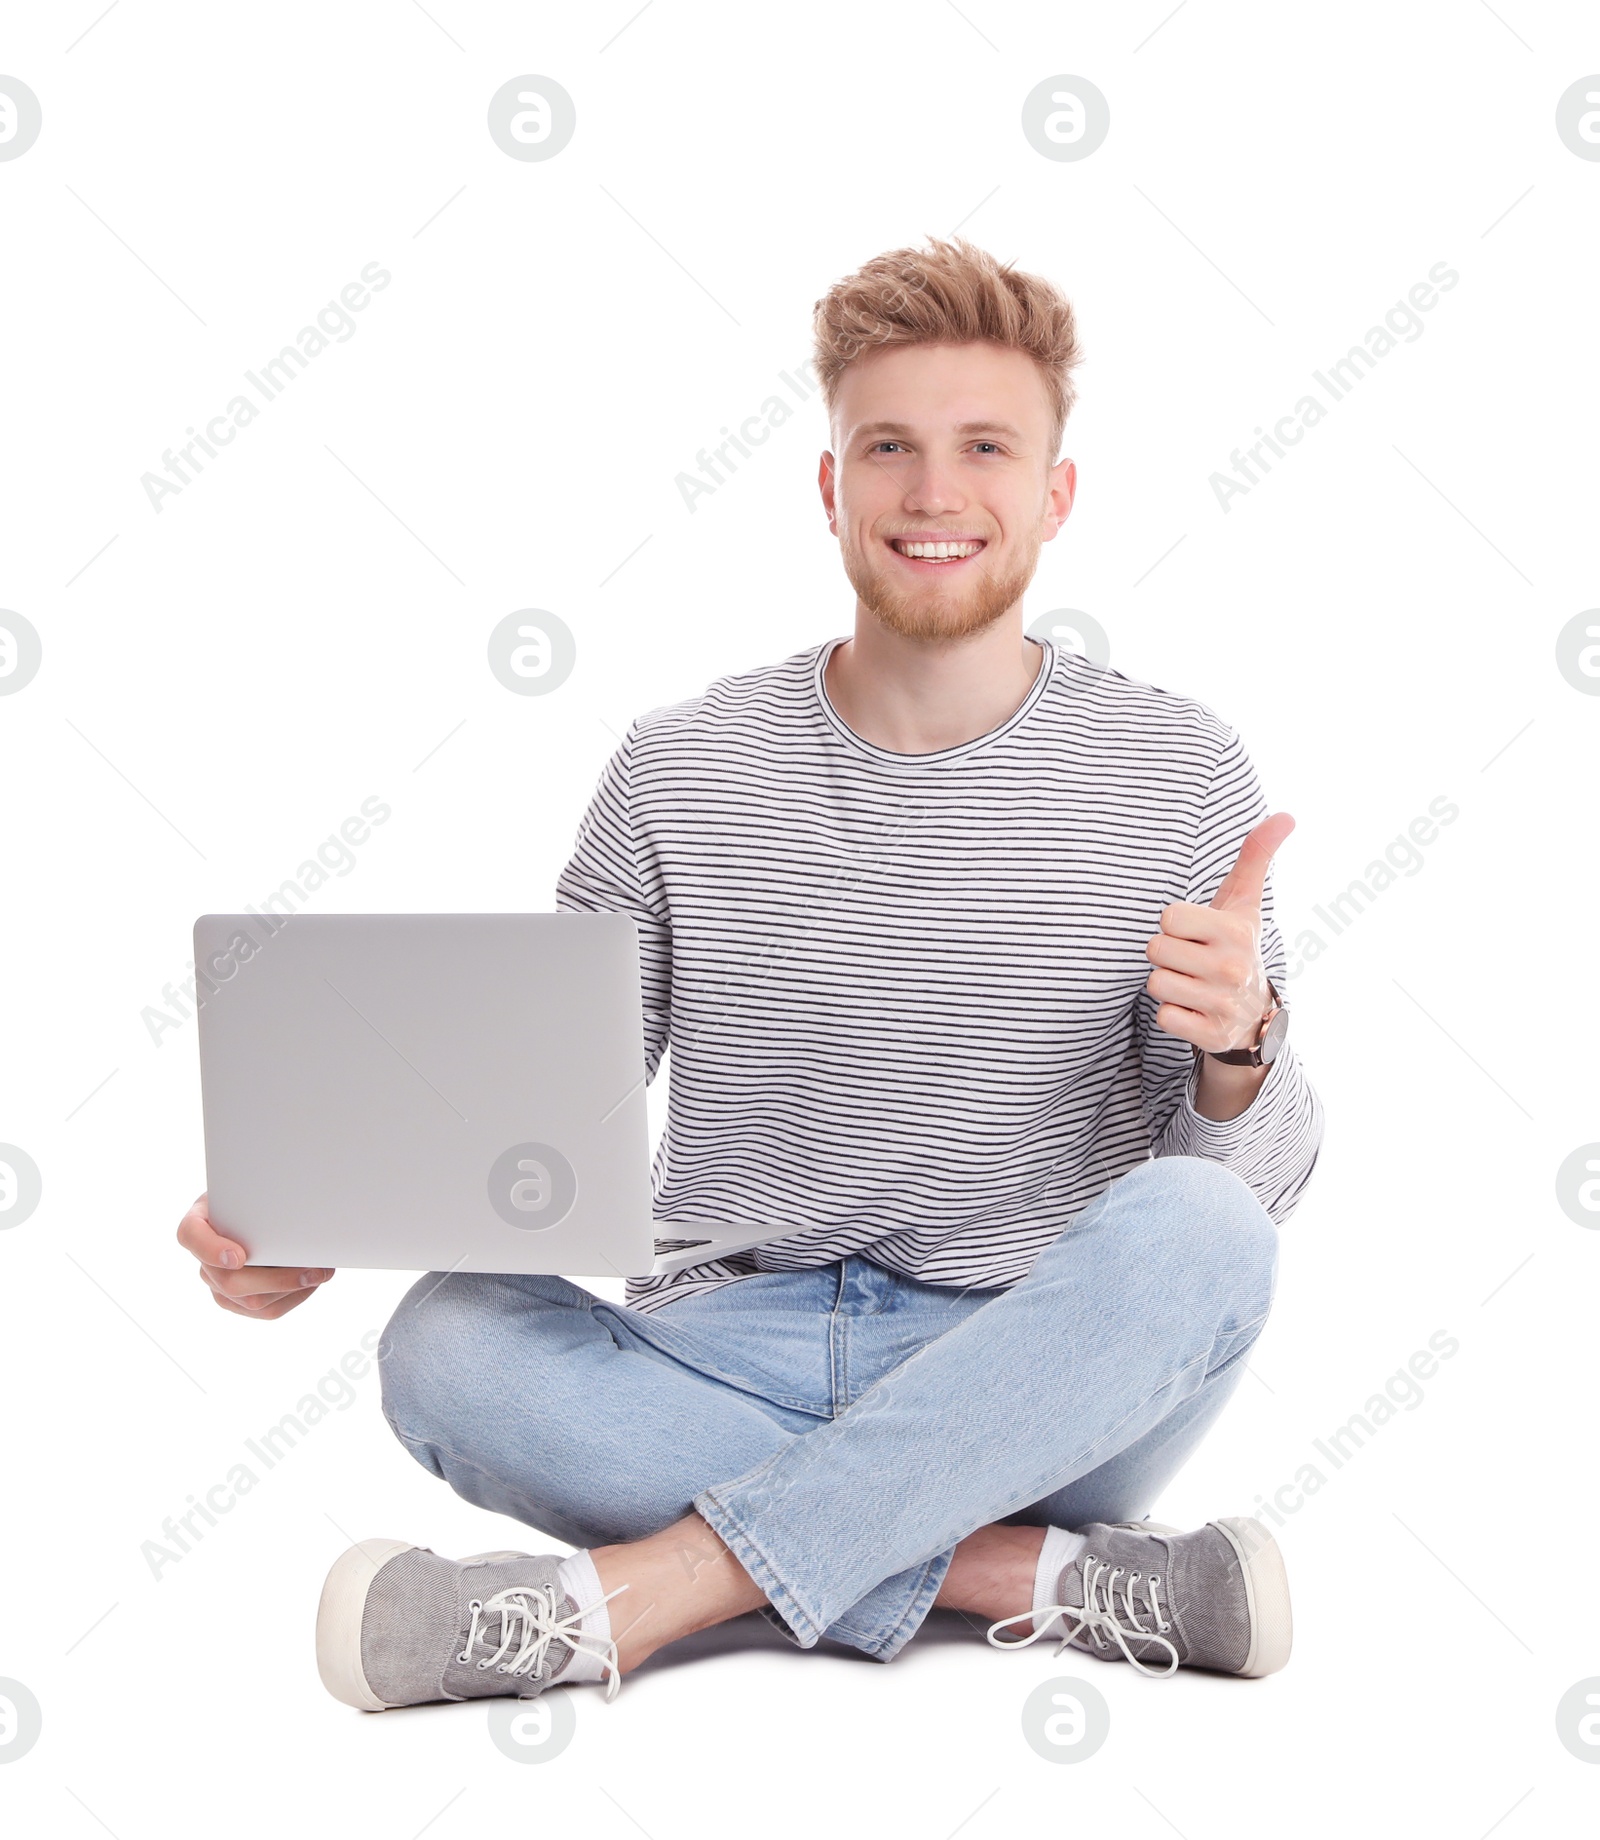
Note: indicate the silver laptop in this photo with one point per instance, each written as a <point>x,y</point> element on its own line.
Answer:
<point>433,1092</point>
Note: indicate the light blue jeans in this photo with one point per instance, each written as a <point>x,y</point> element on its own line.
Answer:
<point>843,1428</point>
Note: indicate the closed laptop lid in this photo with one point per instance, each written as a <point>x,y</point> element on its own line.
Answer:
<point>426,1091</point>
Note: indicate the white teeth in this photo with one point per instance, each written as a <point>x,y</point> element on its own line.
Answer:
<point>937,552</point>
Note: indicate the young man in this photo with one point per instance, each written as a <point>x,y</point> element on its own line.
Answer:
<point>964,952</point>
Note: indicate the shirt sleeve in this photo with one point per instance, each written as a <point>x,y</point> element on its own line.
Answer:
<point>612,872</point>
<point>1272,1144</point>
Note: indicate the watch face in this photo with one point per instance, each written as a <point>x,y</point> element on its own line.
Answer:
<point>1272,1042</point>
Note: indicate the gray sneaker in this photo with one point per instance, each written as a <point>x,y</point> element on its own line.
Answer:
<point>1216,1598</point>
<point>398,1626</point>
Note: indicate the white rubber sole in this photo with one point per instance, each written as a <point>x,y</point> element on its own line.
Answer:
<point>1266,1586</point>
<point>339,1614</point>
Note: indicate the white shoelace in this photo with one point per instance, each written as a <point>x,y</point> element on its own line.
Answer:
<point>1097,1616</point>
<point>530,1625</point>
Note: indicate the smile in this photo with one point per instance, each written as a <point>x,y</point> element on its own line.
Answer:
<point>937,552</point>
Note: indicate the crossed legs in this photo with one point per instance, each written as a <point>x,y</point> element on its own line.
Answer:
<point>1073,1395</point>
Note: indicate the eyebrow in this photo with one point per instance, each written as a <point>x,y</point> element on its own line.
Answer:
<point>901,429</point>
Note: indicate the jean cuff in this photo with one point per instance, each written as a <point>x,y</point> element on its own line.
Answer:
<point>884,1643</point>
<point>787,1613</point>
<point>805,1629</point>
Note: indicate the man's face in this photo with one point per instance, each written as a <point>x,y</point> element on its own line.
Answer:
<point>937,443</point>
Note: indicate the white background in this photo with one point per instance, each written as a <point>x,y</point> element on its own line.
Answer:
<point>304,625</point>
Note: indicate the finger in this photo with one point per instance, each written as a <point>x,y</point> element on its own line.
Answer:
<point>1244,883</point>
<point>252,1301</point>
<point>1189,1025</point>
<point>267,1311</point>
<point>197,1235</point>
<point>262,1280</point>
<point>258,1305</point>
<point>1206,959</point>
<point>1204,925</point>
<point>1176,991</point>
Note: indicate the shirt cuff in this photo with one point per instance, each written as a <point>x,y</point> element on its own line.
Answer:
<point>1214,1137</point>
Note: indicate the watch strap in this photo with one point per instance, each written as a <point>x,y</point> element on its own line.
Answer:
<point>1251,1056</point>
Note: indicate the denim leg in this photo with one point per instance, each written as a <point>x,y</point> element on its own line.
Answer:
<point>530,1397</point>
<point>1158,1284</point>
<point>535,1399</point>
<point>1127,1486</point>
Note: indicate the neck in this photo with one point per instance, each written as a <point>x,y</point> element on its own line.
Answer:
<point>919,696</point>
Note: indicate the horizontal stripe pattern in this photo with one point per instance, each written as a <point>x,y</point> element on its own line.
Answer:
<point>904,994</point>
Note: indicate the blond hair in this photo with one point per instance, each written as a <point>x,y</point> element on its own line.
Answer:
<point>949,294</point>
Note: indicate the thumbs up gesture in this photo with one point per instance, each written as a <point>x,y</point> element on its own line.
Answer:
<point>1209,982</point>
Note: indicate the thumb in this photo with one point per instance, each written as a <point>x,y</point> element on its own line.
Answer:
<point>1242,887</point>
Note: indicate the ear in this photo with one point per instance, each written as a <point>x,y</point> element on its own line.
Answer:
<point>825,476</point>
<point>1058,503</point>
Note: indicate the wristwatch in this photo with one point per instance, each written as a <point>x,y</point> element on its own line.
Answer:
<point>1268,1043</point>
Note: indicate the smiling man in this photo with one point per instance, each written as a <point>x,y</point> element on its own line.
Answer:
<point>964,951</point>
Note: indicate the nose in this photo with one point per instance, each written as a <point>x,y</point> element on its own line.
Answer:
<point>933,490</point>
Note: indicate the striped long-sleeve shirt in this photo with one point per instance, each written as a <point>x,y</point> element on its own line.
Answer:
<point>905,993</point>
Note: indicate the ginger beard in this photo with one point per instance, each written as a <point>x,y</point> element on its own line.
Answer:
<point>926,608</point>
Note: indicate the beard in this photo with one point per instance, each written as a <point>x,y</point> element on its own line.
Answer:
<point>933,612</point>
